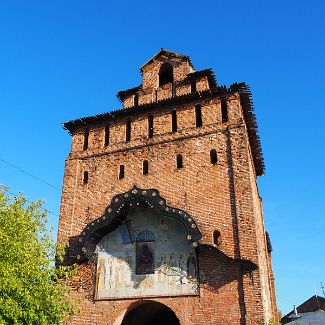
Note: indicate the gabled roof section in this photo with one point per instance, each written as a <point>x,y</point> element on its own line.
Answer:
<point>173,54</point>
<point>312,304</point>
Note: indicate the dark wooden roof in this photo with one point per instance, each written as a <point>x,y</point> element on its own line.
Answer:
<point>203,73</point>
<point>124,93</point>
<point>312,304</point>
<point>241,88</point>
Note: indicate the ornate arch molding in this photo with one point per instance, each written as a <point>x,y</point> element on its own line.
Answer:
<point>123,204</point>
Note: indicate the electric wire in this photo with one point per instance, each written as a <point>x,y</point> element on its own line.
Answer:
<point>29,174</point>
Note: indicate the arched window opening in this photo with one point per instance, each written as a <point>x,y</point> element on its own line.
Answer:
<point>224,110</point>
<point>198,115</point>
<point>213,156</point>
<point>106,142</point>
<point>121,172</point>
<point>193,86</point>
<point>150,126</point>
<point>179,161</point>
<point>145,253</point>
<point>136,100</point>
<point>145,167</point>
<point>216,237</point>
<point>85,178</point>
<point>174,121</point>
<point>128,131</point>
<point>165,74</point>
<point>86,138</point>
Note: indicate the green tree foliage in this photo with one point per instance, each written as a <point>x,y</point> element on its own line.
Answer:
<point>32,289</point>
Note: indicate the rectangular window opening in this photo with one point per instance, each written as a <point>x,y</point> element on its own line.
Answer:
<point>224,110</point>
<point>150,126</point>
<point>86,138</point>
<point>198,115</point>
<point>121,172</point>
<point>128,131</point>
<point>106,135</point>
<point>85,178</point>
<point>174,121</point>
<point>193,86</point>
<point>136,100</point>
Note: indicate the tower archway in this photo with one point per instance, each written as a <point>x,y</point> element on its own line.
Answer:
<point>150,313</point>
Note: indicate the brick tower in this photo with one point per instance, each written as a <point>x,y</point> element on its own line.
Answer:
<point>160,205</point>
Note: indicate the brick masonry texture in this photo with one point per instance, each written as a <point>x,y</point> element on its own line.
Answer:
<point>221,196</point>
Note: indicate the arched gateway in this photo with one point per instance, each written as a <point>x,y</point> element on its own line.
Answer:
<point>150,313</point>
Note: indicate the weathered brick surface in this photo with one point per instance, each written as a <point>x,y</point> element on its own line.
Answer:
<point>223,196</point>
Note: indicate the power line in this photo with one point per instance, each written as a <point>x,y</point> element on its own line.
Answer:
<point>46,210</point>
<point>29,174</point>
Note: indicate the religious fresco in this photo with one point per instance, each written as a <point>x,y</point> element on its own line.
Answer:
<point>147,255</point>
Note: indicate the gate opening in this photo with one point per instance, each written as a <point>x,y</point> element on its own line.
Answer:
<point>150,313</point>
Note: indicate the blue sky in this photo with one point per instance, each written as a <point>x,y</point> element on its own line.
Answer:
<point>60,60</point>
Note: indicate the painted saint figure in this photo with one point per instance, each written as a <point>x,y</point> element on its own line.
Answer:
<point>101,274</point>
<point>191,267</point>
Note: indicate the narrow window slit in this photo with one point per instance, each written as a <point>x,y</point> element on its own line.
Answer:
<point>213,156</point>
<point>224,110</point>
<point>198,115</point>
<point>121,172</point>
<point>85,178</point>
<point>128,131</point>
<point>174,121</point>
<point>136,100</point>
<point>145,167</point>
<point>106,135</point>
<point>150,126</point>
<point>86,138</point>
<point>179,161</point>
<point>216,237</point>
<point>193,86</point>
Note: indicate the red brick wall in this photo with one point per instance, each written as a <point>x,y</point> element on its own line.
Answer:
<point>152,92</point>
<point>222,196</point>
